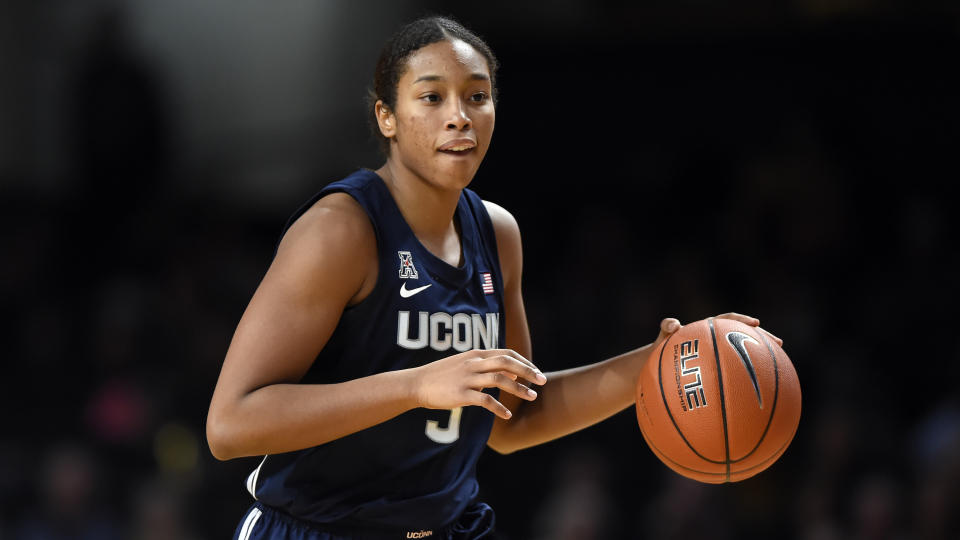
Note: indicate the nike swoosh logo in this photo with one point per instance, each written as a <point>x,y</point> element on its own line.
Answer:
<point>737,339</point>
<point>407,293</point>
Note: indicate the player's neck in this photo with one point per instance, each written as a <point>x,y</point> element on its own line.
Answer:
<point>428,209</point>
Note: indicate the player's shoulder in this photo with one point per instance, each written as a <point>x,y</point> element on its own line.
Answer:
<point>503,221</point>
<point>334,215</point>
<point>330,251</point>
<point>335,223</point>
<point>509,245</point>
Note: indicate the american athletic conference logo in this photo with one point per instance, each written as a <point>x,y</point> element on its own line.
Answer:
<point>407,269</point>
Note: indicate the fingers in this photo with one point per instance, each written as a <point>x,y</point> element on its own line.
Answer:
<point>510,364</point>
<point>751,321</point>
<point>771,336</point>
<point>504,383</point>
<point>507,352</point>
<point>745,319</point>
<point>490,403</point>
<point>669,325</point>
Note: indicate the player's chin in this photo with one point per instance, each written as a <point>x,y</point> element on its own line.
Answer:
<point>459,170</point>
<point>466,160</point>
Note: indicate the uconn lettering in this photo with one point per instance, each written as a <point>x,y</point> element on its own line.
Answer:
<point>442,331</point>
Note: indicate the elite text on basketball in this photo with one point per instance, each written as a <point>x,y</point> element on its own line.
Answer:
<point>689,351</point>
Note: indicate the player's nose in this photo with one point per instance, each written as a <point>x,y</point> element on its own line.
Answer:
<point>458,119</point>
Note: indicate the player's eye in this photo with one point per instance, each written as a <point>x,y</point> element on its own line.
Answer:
<point>479,97</point>
<point>431,98</point>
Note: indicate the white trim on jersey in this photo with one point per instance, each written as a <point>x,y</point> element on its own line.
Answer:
<point>252,479</point>
<point>248,524</point>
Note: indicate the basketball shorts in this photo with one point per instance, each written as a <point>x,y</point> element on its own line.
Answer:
<point>264,523</point>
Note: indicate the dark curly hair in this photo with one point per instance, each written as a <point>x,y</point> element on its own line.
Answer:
<point>409,39</point>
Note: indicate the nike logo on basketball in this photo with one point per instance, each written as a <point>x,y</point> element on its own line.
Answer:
<point>404,292</point>
<point>737,339</point>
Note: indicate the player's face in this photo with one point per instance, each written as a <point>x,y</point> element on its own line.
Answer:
<point>444,114</point>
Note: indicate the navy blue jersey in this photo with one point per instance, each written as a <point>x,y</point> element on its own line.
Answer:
<point>416,470</point>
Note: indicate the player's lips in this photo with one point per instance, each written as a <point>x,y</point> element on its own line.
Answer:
<point>458,146</point>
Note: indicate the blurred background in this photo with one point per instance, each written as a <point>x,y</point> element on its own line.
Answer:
<point>669,158</point>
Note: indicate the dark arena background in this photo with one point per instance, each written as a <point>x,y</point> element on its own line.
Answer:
<point>790,161</point>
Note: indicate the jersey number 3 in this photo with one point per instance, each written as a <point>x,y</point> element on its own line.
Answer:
<point>448,434</point>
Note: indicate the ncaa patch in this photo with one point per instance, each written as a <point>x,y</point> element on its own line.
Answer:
<point>407,269</point>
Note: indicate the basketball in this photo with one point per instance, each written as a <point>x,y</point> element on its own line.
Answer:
<point>718,401</point>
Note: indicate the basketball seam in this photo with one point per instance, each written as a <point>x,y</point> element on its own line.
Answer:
<point>773,457</point>
<point>723,403</point>
<point>776,394</point>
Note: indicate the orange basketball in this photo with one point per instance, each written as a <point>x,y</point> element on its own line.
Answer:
<point>718,401</point>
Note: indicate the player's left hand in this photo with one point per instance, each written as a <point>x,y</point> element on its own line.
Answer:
<point>667,327</point>
<point>750,321</point>
<point>670,325</point>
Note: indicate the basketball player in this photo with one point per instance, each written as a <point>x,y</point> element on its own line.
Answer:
<point>387,344</point>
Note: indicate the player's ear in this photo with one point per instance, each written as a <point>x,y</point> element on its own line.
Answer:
<point>386,120</point>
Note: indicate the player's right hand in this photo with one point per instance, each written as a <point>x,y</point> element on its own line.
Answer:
<point>459,380</point>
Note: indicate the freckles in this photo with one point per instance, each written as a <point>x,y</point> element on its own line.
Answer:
<point>418,127</point>
<point>418,139</point>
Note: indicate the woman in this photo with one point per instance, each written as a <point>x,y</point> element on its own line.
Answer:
<point>387,344</point>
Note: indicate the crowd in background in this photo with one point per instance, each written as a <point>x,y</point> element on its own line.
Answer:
<point>798,176</point>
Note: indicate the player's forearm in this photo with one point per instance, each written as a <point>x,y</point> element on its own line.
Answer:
<point>286,417</point>
<point>574,399</point>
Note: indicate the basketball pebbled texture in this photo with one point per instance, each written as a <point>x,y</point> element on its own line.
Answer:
<point>718,401</point>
